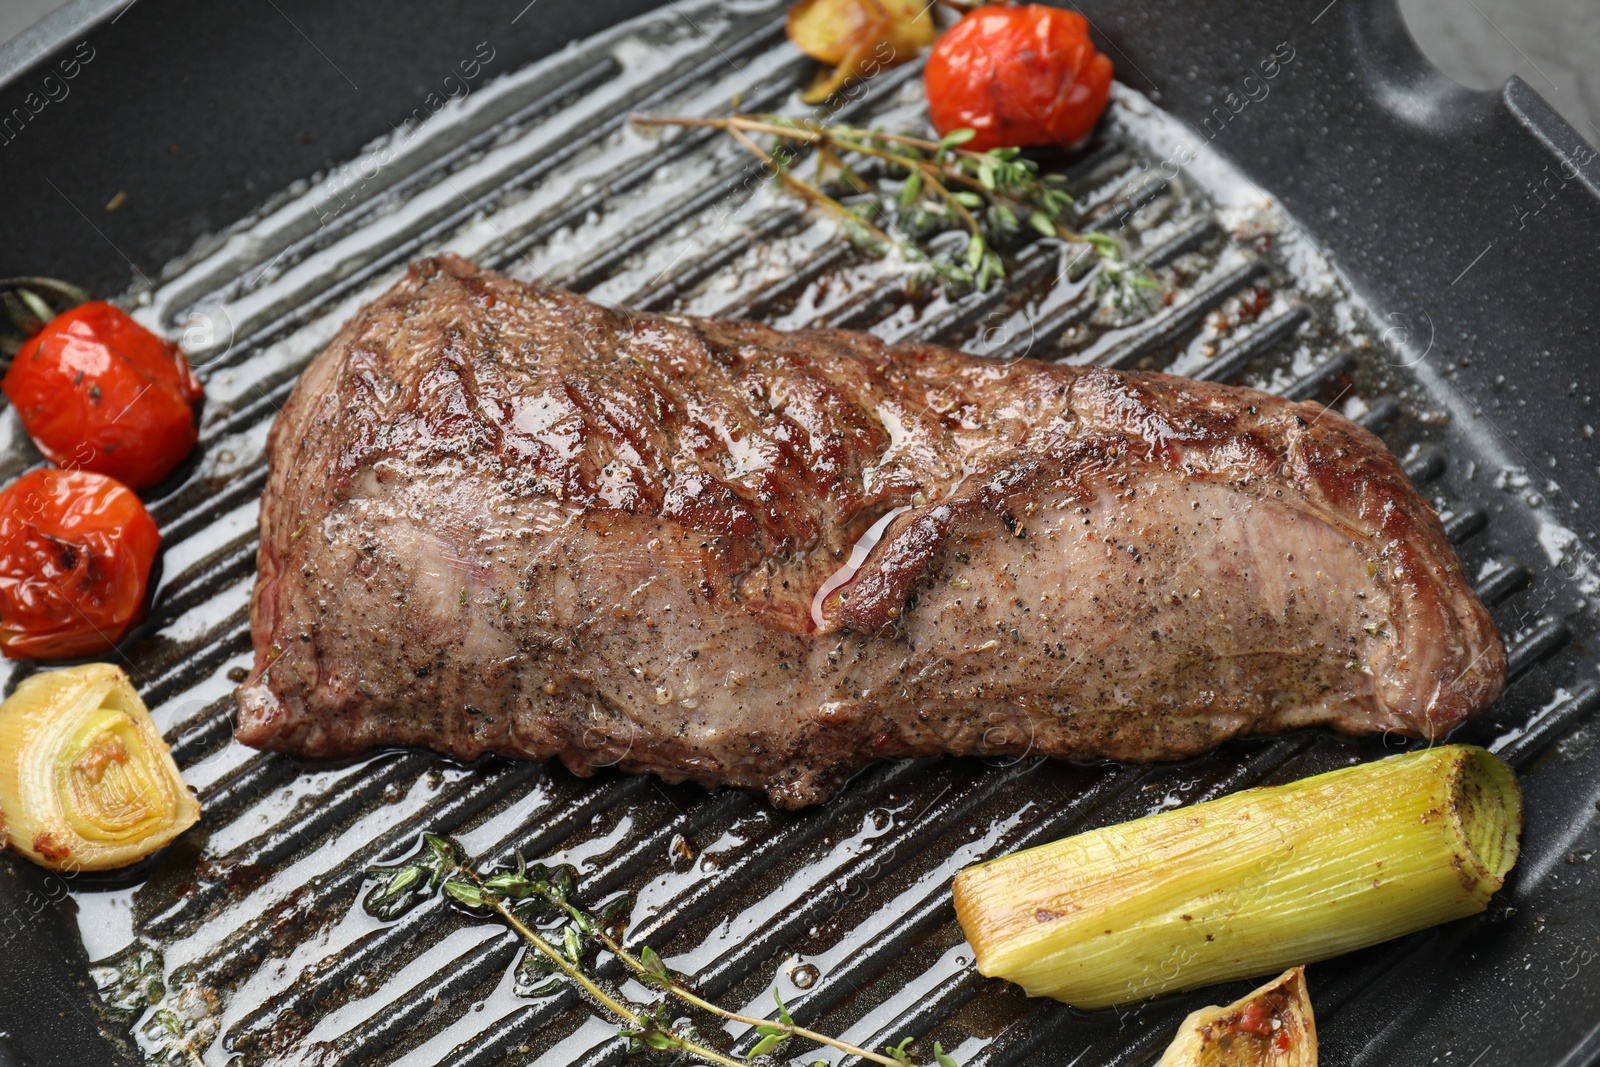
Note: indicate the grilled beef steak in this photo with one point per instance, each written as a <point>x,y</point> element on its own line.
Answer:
<point>501,518</point>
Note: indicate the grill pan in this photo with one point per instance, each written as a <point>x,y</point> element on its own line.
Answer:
<point>1430,265</point>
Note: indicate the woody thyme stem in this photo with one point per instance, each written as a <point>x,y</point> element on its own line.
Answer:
<point>637,966</point>
<point>809,191</point>
<point>440,867</point>
<point>933,173</point>
<point>598,992</point>
<point>626,1013</point>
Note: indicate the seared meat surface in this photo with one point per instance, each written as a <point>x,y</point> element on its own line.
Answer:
<point>501,518</point>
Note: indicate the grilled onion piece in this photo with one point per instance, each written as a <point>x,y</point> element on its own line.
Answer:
<point>856,38</point>
<point>1269,1027</point>
<point>1248,884</point>
<point>86,782</point>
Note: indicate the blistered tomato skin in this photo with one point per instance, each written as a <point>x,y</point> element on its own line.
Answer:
<point>96,391</point>
<point>75,556</point>
<point>1018,76</point>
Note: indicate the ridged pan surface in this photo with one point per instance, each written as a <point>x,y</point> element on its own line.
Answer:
<point>253,919</point>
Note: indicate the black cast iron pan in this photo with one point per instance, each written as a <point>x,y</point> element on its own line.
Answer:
<point>1469,222</point>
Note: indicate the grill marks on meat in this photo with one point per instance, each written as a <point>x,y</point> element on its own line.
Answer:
<point>503,519</point>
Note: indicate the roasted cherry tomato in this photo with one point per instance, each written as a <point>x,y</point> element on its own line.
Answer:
<point>75,554</point>
<point>1025,75</point>
<point>96,391</point>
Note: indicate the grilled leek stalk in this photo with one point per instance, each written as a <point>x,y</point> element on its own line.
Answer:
<point>86,782</point>
<point>1269,1027</point>
<point>1248,884</point>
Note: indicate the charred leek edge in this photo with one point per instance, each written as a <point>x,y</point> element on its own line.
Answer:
<point>1248,884</point>
<point>86,782</point>
<point>1269,1027</point>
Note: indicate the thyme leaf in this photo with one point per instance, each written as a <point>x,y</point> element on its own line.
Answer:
<point>402,886</point>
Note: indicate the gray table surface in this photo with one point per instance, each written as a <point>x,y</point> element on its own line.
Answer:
<point>1553,44</point>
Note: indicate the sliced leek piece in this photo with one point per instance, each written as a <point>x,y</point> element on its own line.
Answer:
<point>86,782</point>
<point>1248,884</point>
<point>856,38</point>
<point>1269,1027</point>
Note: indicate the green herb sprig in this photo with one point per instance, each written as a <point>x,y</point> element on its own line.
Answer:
<point>539,903</point>
<point>995,197</point>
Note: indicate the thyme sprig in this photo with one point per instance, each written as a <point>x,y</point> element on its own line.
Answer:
<point>540,904</point>
<point>994,197</point>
